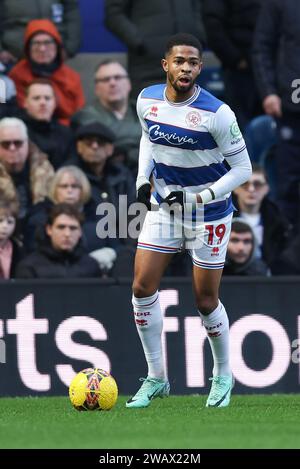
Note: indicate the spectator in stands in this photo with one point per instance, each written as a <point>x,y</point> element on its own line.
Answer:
<point>145,27</point>
<point>288,262</point>
<point>268,224</point>
<point>112,108</point>
<point>11,251</point>
<point>53,138</point>
<point>240,258</point>
<point>277,70</point>
<point>108,179</point>
<point>71,186</point>
<point>8,97</point>
<point>7,187</point>
<point>59,253</point>
<point>28,167</point>
<point>16,15</point>
<point>230,28</point>
<point>44,58</point>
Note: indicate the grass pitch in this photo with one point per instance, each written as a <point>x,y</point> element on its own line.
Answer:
<point>176,422</point>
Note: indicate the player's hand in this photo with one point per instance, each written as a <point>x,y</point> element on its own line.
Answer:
<point>186,200</point>
<point>175,197</point>
<point>144,194</point>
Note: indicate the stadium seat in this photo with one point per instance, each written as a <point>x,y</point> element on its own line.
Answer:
<point>260,135</point>
<point>269,164</point>
<point>211,79</point>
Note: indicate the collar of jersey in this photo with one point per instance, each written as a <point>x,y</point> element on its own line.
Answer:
<point>184,103</point>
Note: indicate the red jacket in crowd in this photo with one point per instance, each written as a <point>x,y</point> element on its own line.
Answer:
<point>66,82</point>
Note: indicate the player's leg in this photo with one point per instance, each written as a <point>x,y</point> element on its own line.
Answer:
<point>149,268</point>
<point>214,317</point>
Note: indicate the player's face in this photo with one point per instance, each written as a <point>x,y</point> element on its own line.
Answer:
<point>240,247</point>
<point>182,66</point>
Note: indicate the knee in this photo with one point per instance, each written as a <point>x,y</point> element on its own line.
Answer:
<point>207,303</point>
<point>141,290</point>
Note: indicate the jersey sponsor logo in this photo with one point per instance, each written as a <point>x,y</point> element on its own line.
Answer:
<point>172,138</point>
<point>141,322</point>
<point>210,328</point>
<point>214,334</point>
<point>215,251</point>
<point>235,133</point>
<point>153,111</point>
<point>193,119</point>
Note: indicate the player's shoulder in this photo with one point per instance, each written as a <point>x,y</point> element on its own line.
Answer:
<point>153,92</point>
<point>208,102</point>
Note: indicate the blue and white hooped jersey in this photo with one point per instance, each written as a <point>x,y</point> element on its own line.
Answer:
<point>188,143</point>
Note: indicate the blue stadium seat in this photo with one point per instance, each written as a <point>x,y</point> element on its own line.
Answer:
<point>260,135</point>
<point>211,79</point>
<point>269,165</point>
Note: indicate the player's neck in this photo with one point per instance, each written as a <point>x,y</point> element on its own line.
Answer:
<point>175,97</point>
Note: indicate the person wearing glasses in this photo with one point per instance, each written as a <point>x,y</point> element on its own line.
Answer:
<point>108,178</point>
<point>14,17</point>
<point>271,229</point>
<point>28,167</point>
<point>71,186</point>
<point>113,108</point>
<point>44,57</point>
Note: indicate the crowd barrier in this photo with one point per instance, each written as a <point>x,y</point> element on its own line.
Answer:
<point>49,330</point>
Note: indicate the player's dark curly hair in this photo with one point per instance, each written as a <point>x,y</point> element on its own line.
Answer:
<point>183,39</point>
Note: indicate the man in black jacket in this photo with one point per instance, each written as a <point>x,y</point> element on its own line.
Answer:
<point>269,225</point>
<point>53,138</point>
<point>240,258</point>
<point>277,70</point>
<point>145,26</point>
<point>59,253</point>
<point>109,179</point>
<point>230,27</point>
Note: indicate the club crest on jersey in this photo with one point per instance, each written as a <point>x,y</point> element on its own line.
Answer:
<point>193,119</point>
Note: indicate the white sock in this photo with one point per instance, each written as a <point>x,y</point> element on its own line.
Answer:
<point>217,328</point>
<point>149,323</point>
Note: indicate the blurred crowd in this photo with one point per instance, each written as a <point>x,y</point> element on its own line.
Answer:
<point>60,157</point>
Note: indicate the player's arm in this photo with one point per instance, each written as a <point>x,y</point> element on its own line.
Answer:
<point>230,141</point>
<point>227,134</point>
<point>146,165</point>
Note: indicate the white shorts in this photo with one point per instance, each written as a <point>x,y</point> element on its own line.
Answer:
<point>206,244</point>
